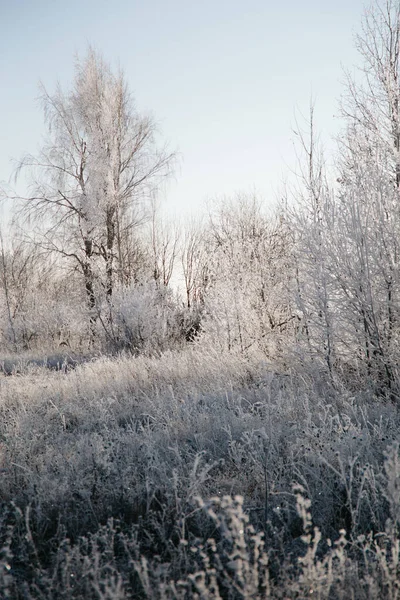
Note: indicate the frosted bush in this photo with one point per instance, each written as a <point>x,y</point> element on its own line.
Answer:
<point>145,318</point>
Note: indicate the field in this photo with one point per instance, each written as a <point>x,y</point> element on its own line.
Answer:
<point>195,474</point>
<point>201,405</point>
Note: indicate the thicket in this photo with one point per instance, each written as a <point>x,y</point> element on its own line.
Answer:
<point>208,410</point>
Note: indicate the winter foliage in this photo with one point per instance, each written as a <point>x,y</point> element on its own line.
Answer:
<point>209,409</point>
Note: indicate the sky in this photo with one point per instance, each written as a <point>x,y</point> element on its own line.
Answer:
<point>224,79</point>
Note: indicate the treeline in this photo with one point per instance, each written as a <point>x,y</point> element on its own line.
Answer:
<point>91,265</point>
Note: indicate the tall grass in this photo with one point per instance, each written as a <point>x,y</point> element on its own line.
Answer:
<point>103,468</point>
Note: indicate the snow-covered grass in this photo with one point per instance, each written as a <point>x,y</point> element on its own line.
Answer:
<point>140,440</point>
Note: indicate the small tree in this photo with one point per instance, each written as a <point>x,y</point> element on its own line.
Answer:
<point>194,259</point>
<point>311,224</point>
<point>347,239</point>
<point>370,188</point>
<point>248,268</point>
<point>164,246</point>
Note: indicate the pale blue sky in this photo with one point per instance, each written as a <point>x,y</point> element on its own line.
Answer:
<point>222,78</point>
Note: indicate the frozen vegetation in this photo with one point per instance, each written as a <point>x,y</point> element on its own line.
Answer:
<point>175,476</point>
<point>206,410</point>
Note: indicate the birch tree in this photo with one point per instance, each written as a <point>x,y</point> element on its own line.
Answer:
<point>100,165</point>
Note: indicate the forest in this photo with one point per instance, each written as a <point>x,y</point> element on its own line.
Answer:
<point>209,408</point>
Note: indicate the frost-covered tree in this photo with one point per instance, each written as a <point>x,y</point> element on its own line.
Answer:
<point>371,104</point>
<point>310,223</point>
<point>369,196</point>
<point>367,270</point>
<point>40,303</point>
<point>100,164</point>
<point>347,239</point>
<point>194,260</point>
<point>247,304</point>
<point>164,238</point>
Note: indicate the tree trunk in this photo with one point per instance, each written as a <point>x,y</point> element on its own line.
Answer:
<point>90,293</point>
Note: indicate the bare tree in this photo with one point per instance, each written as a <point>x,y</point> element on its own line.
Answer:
<point>6,287</point>
<point>372,101</point>
<point>370,187</point>
<point>248,265</point>
<point>164,246</point>
<point>347,239</point>
<point>195,263</point>
<point>309,221</point>
<point>100,164</point>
